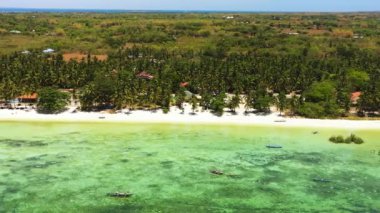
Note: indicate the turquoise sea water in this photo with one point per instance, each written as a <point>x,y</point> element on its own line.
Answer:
<point>58,167</point>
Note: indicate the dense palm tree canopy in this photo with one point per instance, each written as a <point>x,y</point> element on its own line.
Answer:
<point>305,64</point>
<point>324,84</point>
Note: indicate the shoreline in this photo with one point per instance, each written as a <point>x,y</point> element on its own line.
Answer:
<point>176,117</point>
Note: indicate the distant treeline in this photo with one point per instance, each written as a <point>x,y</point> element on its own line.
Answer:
<point>265,33</point>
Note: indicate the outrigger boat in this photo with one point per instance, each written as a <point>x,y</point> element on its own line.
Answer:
<point>119,194</point>
<point>216,172</point>
<point>274,146</point>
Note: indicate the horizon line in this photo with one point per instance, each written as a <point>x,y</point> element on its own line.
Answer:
<point>180,10</point>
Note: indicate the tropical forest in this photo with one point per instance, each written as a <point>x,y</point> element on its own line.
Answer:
<point>320,65</point>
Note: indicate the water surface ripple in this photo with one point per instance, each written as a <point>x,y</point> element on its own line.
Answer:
<point>53,167</point>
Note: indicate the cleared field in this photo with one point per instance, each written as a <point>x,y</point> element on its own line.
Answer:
<point>80,56</point>
<point>103,33</point>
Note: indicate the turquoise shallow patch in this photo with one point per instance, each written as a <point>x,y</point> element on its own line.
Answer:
<point>52,167</point>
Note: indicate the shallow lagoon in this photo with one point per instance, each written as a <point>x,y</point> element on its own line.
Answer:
<point>61,167</point>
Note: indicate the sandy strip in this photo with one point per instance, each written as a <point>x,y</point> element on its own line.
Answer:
<point>175,116</point>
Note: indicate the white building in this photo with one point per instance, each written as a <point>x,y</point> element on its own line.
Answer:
<point>49,50</point>
<point>15,31</point>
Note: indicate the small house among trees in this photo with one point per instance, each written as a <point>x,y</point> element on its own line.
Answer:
<point>355,96</point>
<point>145,75</point>
<point>28,98</point>
<point>49,50</point>
<point>184,84</point>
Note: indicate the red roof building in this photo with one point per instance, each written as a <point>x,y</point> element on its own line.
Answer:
<point>28,98</point>
<point>184,84</point>
<point>355,96</point>
<point>145,75</point>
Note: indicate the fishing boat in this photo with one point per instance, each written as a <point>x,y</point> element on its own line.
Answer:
<point>274,146</point>
<point>120,194</point>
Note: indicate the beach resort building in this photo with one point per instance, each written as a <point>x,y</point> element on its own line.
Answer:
<point>28,98</point>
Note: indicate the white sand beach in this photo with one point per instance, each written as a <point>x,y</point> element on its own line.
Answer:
<point>176,116</point>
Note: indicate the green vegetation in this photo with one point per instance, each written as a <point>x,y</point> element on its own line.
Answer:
<point>309,34</point>
<point>350,139</point>
<point>304,64</point>
<point>51,101</point>
<point>234,102</point>
<point>217,104</point>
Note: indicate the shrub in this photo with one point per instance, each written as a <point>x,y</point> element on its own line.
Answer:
<point>51,101</point>
<point>218,104</point>
<point>332,139</point>
<point>339,139</point>
<point>320,92</point>
<point>165,110</point>
<point>311,110</point>
<point>350,139</point>
<point>151,37</point>
<point>355,139</point>
<point>358,141</point>
<point>60,32</point>
<point>347,140</point>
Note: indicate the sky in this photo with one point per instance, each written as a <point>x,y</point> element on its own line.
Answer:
<point>218,5</point>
